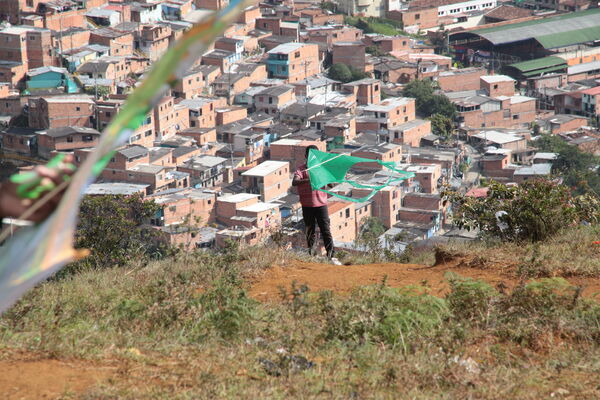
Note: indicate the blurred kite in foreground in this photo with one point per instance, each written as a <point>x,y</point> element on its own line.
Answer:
<point>37,252</point>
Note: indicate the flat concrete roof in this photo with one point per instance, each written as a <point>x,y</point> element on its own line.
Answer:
<point>265,168</point>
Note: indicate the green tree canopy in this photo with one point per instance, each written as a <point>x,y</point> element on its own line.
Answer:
<point>578,168</point>
<point>532,211</point>
<point>346,73</point>
<point>427,101</point>
<point>441,125</point>
<point>113,228</point>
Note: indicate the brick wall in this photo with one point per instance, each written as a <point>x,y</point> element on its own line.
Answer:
<point>343,221</point>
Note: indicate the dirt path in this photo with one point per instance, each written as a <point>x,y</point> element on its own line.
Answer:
<point>342,279</point>
<point>31,378</point>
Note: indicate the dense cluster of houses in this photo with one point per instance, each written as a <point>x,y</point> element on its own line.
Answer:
<point>218,153</point>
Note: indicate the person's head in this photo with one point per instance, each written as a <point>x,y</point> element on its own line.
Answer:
<point>312,146</point>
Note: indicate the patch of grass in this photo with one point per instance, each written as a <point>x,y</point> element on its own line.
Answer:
<point>569,253</point>
<point>184,328</point>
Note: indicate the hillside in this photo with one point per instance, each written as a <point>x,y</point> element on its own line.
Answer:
<point>490,321</point>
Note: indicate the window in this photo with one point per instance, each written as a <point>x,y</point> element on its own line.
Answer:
<point>417,16</point>
<point>113,159</point>
<point>516,116</point>
<point>88,138</point>
<point>495,86</point>
<point>347,213</point>
<point>297,54</point>
<point>77,108</point>
<point>108,114</point>
<point>69,139</point>
<point>148,133</point>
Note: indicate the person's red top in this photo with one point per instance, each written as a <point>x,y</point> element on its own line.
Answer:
<point>309,197</point>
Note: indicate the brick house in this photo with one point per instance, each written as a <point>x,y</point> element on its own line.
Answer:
<point>293,151</point>
<point>428,176</point>
<point>190,85</point>
<point>498,85</point>
<point>272,100</point>
<point>387,44</point>
<point>115,68</point>
<point>460,79</point>
<point>270,179</point>
<point>391,112</point>
<point>120,43</point>
<point>562,123</point>
<point>201,111</point>
<point>205,171</point>
<point>410,133</point>
<point>265,216</point>
<point>125,158</point>
<point>20,141</point>
<point>293,61</point>
<point>385,152</point>
<point>342,125</point>
<point>66,139</point>
<point>202,136</point>
<point>60,111</point>
<point>154,40</point>
<point>385,203</point>
<point>330,34</point>
<point>342,219</point>
<point>170,118</point>
<point>228,206</point>
<point>107,109</point>
<point>29,46</point>
<point>188,206</point>
<point>350,53</point>
<point>227,115</point>
<point>367,91</point>
<point>590,104</point>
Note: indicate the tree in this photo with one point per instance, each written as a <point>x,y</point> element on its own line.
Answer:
<point>328,5</point>
<point>340,72</point>
<point>441,125</point>
<point>113,229</point>
<point>345,73</point>
<point>577,167</point>
<point>427,101</point>
<point>532,211</point>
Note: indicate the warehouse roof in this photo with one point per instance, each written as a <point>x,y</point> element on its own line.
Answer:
<point>540,65</point>
<point>558,31</point>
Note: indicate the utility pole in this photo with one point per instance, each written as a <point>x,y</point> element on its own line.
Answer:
<point>228,84</point>
<point>306,99</point>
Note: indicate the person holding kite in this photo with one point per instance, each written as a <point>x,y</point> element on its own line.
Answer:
<point>314,209</point>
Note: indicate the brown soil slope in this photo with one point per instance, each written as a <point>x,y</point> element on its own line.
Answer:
<point>342,279</point>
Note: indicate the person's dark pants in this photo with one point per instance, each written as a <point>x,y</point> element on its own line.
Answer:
<point>312,217</point>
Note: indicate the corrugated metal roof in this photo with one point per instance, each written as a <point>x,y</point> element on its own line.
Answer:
<point>579,68</point>
<point>562,30</point>
<point>540,63</point>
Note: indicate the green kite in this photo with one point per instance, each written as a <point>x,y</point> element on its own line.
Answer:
<point>325,168</point>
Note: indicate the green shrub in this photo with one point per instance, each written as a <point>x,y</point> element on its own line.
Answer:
<point>532,211</point>
<point>379,314</point>
<point>470,299</point>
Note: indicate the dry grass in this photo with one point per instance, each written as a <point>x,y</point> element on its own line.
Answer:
<point>184,328</point>
<point>570,253</point>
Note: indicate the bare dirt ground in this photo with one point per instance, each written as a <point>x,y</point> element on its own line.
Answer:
<point>342,279</point>
<point>25,376</point>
